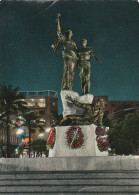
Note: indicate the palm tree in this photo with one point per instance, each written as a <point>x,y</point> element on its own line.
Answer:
<point>32,121</point>
<point>11,104</point>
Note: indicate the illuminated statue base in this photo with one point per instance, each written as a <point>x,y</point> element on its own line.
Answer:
<point>89,147</point>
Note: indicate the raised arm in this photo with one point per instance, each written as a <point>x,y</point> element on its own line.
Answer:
<point>61,37</point>
<point>59,33</point>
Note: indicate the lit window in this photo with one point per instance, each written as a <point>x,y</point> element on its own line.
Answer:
<point>54,103</point>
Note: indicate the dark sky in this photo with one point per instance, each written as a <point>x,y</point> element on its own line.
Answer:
<point>27,30</point>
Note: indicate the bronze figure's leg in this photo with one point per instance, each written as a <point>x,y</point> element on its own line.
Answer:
<point>64,83</point>
<point>68,74</point>
<point>87,80</point>
<point>82,78</point>
<point>71,74</point>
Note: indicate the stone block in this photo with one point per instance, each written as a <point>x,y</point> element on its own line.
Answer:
<point>89,148</point>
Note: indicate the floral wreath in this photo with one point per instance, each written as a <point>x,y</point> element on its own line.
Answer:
<point>51,138</point>
<point>75,137</point>
<point>102,144</point>
<point>100,131</point>
<point>101,139</point>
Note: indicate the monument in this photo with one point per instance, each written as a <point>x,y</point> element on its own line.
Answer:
<point>74,131</point>
<point>84,55</point>
<point>69,55</point>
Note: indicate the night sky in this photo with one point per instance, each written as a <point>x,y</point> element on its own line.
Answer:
<point>27,30</point>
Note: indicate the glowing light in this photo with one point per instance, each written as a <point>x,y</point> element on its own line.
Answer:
<point>41,134</point>
<point>19,131</point>
<point>47,129</point>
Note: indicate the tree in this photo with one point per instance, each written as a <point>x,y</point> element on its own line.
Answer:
<point>106,121</point>
<point>124,134</point>
<point>39,146</point>
<point>123,109</point>
<point>32,121</point>
<point>11,104</point>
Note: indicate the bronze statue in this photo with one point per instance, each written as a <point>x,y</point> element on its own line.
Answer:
<point>85,54</point>
<point>92,114</point>
<point>69,55</point>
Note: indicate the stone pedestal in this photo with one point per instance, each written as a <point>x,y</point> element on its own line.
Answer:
<point>89,148</point>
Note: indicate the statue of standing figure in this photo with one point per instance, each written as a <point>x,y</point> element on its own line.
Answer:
<point>73,57</point>
<point>69,55</point>
<point>84,66</point>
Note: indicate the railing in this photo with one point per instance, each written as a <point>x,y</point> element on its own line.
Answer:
<point>14,140</point>
<point>40,93</point>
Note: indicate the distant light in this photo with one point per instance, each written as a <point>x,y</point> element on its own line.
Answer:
<point>19,131</point>
<point>42,120</point>
<point>41,134</point>
<point>47,129</point>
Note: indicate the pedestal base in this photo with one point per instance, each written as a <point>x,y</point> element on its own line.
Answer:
<point>89,148</point>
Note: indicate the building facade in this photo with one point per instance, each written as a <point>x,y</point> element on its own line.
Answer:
<point>114,106</point>
<point>44,102</point>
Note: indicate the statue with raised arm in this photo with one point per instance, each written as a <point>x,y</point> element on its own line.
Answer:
<point>93,113</point>
<point>84,65</point>
<point>69,55</point>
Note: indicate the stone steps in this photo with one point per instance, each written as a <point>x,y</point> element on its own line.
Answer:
<point>68,182</point>
<point>69,175</point>
<point>107,182</point>
<point>71,189</point>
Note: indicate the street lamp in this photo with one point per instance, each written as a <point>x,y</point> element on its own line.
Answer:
<point>19,131</point>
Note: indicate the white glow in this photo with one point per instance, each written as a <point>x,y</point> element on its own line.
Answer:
<point>42,120</point>
<point>19,131</point>
<point>41,134</point>
<point>41,100</point>
<point>47,129</point>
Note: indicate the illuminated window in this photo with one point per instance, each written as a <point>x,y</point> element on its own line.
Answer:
<point>37,103</point>
<point>54,104</point>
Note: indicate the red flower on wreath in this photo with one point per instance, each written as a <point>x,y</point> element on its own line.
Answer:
<point>51,138</point>
<point>75,137</point>
<point>102,144</point>
<point>100,131</point>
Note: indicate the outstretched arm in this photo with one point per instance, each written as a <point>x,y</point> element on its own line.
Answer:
<point>93,55</point>
<point>57,43</point>
<point>59,33</point>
